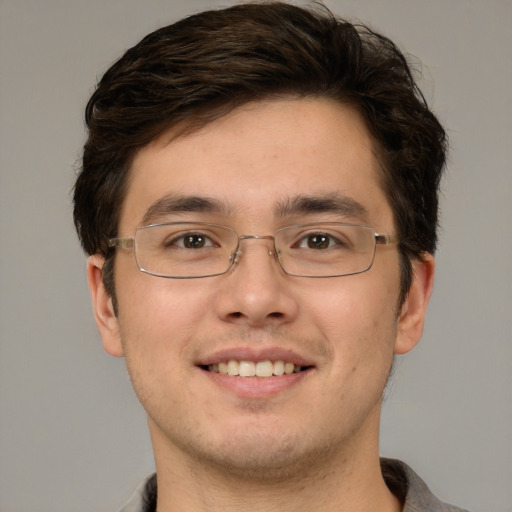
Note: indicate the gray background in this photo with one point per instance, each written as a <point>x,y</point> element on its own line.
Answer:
<point>72,436</point>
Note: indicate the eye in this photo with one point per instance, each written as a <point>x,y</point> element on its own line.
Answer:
<point>190,241</point>
<point>318,241</point>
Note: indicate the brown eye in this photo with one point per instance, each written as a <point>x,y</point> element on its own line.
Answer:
<point>194,241</point>
<point>189,241</point>
<point>318,241</point>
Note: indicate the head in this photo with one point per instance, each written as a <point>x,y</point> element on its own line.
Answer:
<point>260,117</point>
<point>189,74</point>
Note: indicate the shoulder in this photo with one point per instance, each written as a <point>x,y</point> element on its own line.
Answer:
<point>411,489</point>
<point>144,497</point>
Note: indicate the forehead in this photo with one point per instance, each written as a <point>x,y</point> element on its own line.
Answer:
<point>258,159</point>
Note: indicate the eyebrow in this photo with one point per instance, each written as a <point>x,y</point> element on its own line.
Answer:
<point>299,205</point>
<point>176,204</point>
<point>329,203</point>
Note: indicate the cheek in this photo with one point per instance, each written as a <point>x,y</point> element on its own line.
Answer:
<point>357,317</point>
<point>151,302</point>
<point>157,318</point>
<point>359,329</point>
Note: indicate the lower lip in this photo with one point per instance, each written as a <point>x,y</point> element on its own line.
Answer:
<point>256,387</point>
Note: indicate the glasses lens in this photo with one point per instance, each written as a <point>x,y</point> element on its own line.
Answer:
<point>185,249</point>
<point>325,250</point>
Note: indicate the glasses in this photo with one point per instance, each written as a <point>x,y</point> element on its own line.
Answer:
<point>185,250</point>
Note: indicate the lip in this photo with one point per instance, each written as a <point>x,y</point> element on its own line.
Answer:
<point>255,387</point>
<point>256,355</point>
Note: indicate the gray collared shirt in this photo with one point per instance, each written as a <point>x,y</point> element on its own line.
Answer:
<point>399,477</point>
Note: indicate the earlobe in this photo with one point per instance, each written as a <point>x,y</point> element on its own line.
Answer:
<point>103,308</point>
<point>413,311</point>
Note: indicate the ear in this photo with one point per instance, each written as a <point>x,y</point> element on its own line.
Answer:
<point>414,308</point>
<point>103,308</point>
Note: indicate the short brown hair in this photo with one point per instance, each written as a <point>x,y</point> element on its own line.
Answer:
<point>204,66</point>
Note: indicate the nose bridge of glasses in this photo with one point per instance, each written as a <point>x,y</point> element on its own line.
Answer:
<point>236,255</point>
<point>256,237</point>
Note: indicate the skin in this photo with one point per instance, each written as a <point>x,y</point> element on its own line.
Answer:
<point>311,444</point>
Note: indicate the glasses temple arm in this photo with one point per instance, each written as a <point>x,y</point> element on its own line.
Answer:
<point>122,243</point>
<point>386,239</point>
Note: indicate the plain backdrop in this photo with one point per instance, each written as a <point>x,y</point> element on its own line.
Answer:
<point>73,438</point>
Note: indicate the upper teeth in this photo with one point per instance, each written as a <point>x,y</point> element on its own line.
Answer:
<point>254,369</point>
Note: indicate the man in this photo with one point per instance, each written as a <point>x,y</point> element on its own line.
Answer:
<point>259,202</point>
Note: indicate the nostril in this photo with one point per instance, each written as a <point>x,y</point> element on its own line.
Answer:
<point>276,314</point>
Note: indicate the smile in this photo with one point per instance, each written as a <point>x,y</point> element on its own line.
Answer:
<point>262,369</point>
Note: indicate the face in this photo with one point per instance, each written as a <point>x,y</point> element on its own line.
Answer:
<point>341,332</point>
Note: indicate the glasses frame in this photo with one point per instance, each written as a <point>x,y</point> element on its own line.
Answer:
<point>129,243</point>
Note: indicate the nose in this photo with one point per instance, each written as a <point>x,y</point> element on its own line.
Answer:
<point>256,292</point>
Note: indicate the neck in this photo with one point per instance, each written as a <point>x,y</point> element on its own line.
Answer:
<point>340,481</point>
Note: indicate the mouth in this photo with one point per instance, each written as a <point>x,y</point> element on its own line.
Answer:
<point>256,373</point>
<point>259,369</point>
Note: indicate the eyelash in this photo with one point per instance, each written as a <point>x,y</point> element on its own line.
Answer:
<point>179,241</point>
<point>332,240</point>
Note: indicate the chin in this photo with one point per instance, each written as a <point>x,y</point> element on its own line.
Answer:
<point>262,456</point>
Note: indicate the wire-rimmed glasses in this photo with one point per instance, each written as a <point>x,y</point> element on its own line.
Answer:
<point>185,250</point>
